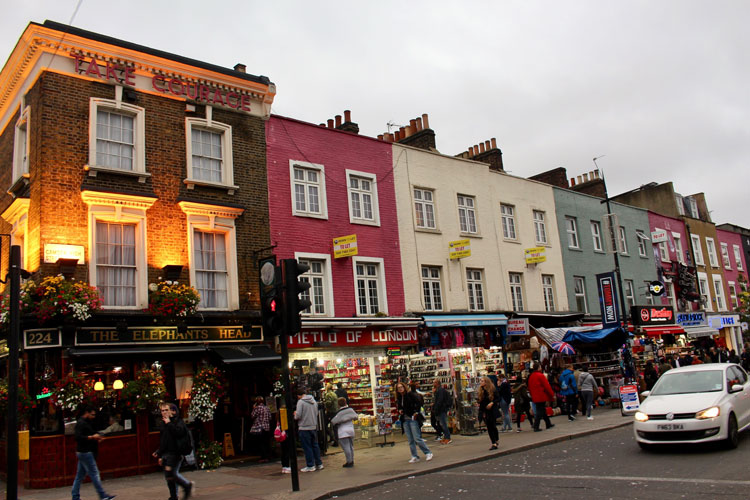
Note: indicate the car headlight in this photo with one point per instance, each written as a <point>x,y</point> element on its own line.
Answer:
<point>712,412</point>
<point>641,417</point>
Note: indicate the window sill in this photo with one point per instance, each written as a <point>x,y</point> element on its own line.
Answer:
<point>575,249</point>
<point>365,222</point>
<point>311,216</point>
<point>428,230</point>
<point>508,240</point>
<point>471,235</point>
<point>191,183</point>
<point>93,170</point>
<point>19,185</point>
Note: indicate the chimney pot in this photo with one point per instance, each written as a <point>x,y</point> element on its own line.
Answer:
<point>425,121</point>
<point>380,137</point>
<point>322,125</point>
<point>330,123</point>
<point>241,68</point>
<point>579,179</point>
<point>347,116</point>
<point>389,137</point>
<point>397,135</point>
<point>487,145</point>
<point>572,181</point>
<point>471,151</point>
<point>493,141</point>
<point>413,126</point>
<point>585,177</point>
<point>419,124</point>
<point>596,174</point>
<point>481,147</point>
<point>338,120</point>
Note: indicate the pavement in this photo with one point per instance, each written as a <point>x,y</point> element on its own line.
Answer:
<point>373,466</point>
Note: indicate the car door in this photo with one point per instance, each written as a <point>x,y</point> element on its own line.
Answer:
<point>741,399</point>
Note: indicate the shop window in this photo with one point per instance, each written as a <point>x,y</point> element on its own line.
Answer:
<point>209,153</point>
<point>571,228</point>
<point>548,291</point>
<point>697,252</point>
<point>112,416</point>
<point>319,293</point>
<point>623,240</point>
<point>579,291</point>
<point>424,208</point>
<point>433,298</point>
<point>508,216</point>
<point>642,250</point>
<point>737,257</point>
<point>711,249</point>
<point>725,256</point>
<point>370,286</point>
<point>21,146</point>
<point>308,190</point>
<point>516,291</point>
<point>467,218</point>
<point>596,235</point>
<point>540,229</point>
<point>117,137</point>
<point>363,198</point>
<point>475,287</point>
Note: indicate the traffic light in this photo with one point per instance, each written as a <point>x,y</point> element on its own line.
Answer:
<point>293,286</point>
<point>271,299</point>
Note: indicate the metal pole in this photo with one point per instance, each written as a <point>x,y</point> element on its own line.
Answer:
<point>15,330</point>
<point>292,445</point>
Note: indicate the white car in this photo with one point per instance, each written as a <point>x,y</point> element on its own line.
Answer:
<point>695,404</point>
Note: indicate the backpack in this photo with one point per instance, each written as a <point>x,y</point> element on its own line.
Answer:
<point>185,442</point>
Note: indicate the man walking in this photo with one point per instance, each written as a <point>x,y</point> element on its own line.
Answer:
<point>173,441</point>
<point>87,445</point>
<point>441,402</point>
<point>569,389</point>
<point>306,416</point>
<point>541,392</point>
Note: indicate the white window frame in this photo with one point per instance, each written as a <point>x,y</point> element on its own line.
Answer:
<point>432,283</point>
<point>677,238</point>
<point>139,135</point>
<point>664,251</point>
<point>382,292</point>
<point>323,213</point>
<point>571,229</point>
<point>596,236</point>
<point>328,305</point>
<point>540,227</point>
<point>424,204</point>
<point>704,291</point>
<point>693,208</point>
<point>713,258</point>
<point>695,241</point>
<point>718,284</point>
<point>733,304</point>
<point>475,289</point>
<point>680,204</point>
<point>120,209</point>
<point>227,160</point>
<point>725,255</point>
<point>21,147</point>
<point>548,291</point>
<point>623,240</point>
<point>508,221</point>
<point>17,215</point>
<point>470,211</point>
<point>576,295</point>
<point>641,237</point>
<point>738,257</point>
<point>372,178</point>
<point>518,285</point>
<point>215,219</point>
<point>629,293</point>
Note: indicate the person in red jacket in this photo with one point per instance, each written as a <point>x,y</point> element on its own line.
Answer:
<point>541,392</point>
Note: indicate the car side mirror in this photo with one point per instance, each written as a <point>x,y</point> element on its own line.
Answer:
<point>645,394</point>
<point>736,388</point>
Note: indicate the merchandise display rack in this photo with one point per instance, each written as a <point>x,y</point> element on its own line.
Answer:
<point>355,372</point>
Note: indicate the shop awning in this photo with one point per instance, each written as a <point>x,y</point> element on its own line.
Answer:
<point>588,335</point>
<point>136,349</point>
<point>434,321</point>
<point>655,331</point>
<point>549,335</point>
<point>246,354</point>
<point>700,331</point>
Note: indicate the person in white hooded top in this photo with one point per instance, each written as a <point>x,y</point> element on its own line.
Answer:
<point>306,416</point>
<point>345,430</point>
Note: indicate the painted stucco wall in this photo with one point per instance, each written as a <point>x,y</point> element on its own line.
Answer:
<point>733,270</point>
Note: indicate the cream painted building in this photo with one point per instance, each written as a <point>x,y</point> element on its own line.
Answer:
<point>443,199</point>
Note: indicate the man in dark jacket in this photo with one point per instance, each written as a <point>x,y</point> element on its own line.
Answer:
<point>169,453</point>
<point>341,392</point>
<point>441,402</point>
<point>87,445</point>
<point>541,392</point>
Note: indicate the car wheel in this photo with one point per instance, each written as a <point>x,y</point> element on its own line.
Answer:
<point>645,446</point>
<point>733,433</point>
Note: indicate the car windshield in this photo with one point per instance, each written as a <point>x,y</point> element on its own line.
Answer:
<point>689,382</point>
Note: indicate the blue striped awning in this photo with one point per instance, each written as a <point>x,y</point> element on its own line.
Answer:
<point>435,321</point>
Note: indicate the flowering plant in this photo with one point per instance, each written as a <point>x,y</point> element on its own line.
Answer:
<point>25,403</point>
<point>208,455</point>
<point>209,386</point>
<point>145,391</point>
<point>170,299</point>
<point>54,298</point>
<point>73,390</point>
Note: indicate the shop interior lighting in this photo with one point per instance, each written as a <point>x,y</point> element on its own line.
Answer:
<point>99,386</point>
<point>338,360</point>
<point>117,385</point>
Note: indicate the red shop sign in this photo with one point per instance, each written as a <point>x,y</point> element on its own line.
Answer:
<point>353,338</point>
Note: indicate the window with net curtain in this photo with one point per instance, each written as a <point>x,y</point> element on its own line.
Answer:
<point>207,155</point>
<point>210,262</point>
<point>115,264</point>
<point>115,140</point>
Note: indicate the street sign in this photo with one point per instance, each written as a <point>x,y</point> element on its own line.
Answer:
<point>629,399</point>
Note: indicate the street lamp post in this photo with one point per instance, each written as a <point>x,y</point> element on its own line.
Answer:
<point>13,336</point>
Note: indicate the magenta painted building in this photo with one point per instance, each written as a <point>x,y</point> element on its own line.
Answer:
<point>732,262</point>
<point>667,254</point>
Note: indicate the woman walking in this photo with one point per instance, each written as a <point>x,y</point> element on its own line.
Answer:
<point>522,403</point>
<point>587,386</point>
<point>503,388</point>
<point>569,389</point>
<point>261,428</point>
<point>489,406</point>
<point>409,404</point>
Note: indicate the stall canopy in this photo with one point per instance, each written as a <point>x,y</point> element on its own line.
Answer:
<point>655,331</point>
<point>434,321</point>
<point>590,335</point>
<point>700,331</point>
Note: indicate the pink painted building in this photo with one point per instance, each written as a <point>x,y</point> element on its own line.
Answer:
<point>732,262</point>
<point>669,253</point>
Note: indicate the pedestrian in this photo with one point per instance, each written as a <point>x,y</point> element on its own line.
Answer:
<point>506,395</point>
<point>341,391</point>
<point>489,408</point>
<point>522,403</point>
<point>87,446</point>
<point>342,423</point>
<point>664,366</point>
<point>733,358</point>
<point>569,389</point>
<point>587,385</point>
<point>441,402</point>
<point>306,416</point>
<point>260,429</point>
<point>409,404</point>
<point>541,392</point>
<point>745,358</point>
<point>649,375</point>
<point>174,434</point>
<point>493,376</point>
<point>331,403</point>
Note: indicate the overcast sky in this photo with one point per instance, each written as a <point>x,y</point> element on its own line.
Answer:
<point>659,87</point>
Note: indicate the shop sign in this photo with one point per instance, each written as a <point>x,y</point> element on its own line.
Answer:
<point>656,288</point>
<point>629,399</point>
<point>353,338</point>
<point>720,322</point>
<point>518,326</point>
<point>393,351</point>
<point>139,335</point>
<point>658,236</point>
<point>652,315</point>
<point>691,319</point>
<point>346,246</point>
<point>608,299</point>
<point>44,394</point>
<point>459,249</point>
<point>534,255</point>
<point>42,337</point>
<point>53,252</point>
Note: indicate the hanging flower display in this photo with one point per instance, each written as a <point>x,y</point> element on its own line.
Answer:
<point>145,391</point>
<point>25,403</point>
<point>208,455</point>
<point>73,390</point>
<point>209,386</point>
<point>171,300</point>
<point>55,298</point>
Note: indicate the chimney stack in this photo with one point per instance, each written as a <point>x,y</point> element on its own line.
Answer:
<point>330,123</point>
<point>487,152</point>
<point>338,121</point>
<point>240,68</point>
<point>572,181</point>
<point>417,134</point>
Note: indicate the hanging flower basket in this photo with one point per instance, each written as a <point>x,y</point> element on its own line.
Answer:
<point>170,300</point>
<point>145,391</point>
<point>209,386</point>
<point>72,391</point>
<point>25,403</point>
<point>54,299</point>
<point>208,454</point>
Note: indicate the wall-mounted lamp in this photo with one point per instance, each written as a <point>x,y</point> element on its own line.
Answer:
<point>99,386</point>
<point>172,271</point>
<point>67,267</point>
<point>117,385</point>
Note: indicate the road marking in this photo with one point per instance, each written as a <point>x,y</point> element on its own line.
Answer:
<point>609,478</point>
